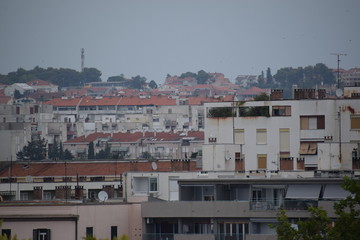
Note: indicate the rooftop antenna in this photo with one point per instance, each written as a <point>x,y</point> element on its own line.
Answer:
<point>338,66</point>
<point>82,59</point>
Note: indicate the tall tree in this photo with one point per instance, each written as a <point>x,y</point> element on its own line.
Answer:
<point>91,75</point>
<point>120,78</point>
<point>91,151</point>
<point>34,150</point>
<point>269,77</point>
<point>319,227</point>
<point>54,151</point>
<point>202,77</point>
<point>153,84</point>
<point>138,82</point>
<point>67,155</point>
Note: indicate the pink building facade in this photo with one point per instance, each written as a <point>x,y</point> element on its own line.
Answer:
<point>55,221</point>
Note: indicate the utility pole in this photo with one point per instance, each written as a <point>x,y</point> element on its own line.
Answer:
<point>82,59</point>
<point>338,66</point>
<point>82,81</point>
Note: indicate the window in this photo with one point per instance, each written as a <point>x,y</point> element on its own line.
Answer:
<point>113,232</point>
<point>284,140</point>
<point>261,161</point>
<point>220,112</point>
<point>239,162</point>
<point>41,234</point>
<point>256,195</point>
<point>24,195</point>
<point>239,136</point>
<point>281,110</point>
<point>89,231</point>
<point>308,148</point>
<point>6,232</point>
<point>312,122</point>
<point>355,122</point>
<point>153,184</point>
<point>261,136</point>
<point>258,111</point>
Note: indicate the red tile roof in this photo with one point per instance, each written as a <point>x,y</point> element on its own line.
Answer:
<point>64,102</point>
<point>146,101</point>
<point>5,99</point>
<point>99,101</point>
<point>35,169</point>
<point>202,100</point>
<point>133,137</point>
<point>90,138</point>
<point>38,82</point>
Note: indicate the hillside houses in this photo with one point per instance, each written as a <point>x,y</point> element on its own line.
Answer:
<point>65,118</point>
<point>127,145</point>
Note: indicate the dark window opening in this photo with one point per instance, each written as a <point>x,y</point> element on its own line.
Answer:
<point>262,111</point>
<point>89,231</point>
<point>113,232</point>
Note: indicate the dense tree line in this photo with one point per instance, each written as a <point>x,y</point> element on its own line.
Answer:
<point>201,76</point>
<point>303,77</point>
<point>137,82</point>
<point>37,150</point>
<point>63,77</point>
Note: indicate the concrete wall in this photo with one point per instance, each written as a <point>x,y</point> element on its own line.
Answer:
<point>194,237</point>
<point>61,220</point>
<point>223,130</point>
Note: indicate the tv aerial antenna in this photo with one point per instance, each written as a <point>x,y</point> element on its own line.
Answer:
<point>338,66</point>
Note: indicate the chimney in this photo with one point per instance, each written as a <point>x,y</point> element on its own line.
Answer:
<point>79,192</point>
<point>38,192</point>
<point>109,189</point>
<point>277,94</point>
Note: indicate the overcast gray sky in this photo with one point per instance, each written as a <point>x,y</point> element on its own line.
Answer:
<point>152,38</point>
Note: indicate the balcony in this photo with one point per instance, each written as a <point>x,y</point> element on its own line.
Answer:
<point>276,205</point>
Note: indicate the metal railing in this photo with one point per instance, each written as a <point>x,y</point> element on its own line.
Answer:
<point>271,204</point>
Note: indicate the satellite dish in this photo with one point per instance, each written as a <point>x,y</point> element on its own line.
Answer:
<point>338,92</point>
<point>227,156</point>
<point>28,179</point>
<point>154,166</point>
<point>103,196</point>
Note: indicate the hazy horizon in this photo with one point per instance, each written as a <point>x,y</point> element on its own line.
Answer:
<point>160,37</point>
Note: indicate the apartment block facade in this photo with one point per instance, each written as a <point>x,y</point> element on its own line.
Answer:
<point>278,135</point>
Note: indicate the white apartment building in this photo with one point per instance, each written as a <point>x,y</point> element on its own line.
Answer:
<point>292,135</point>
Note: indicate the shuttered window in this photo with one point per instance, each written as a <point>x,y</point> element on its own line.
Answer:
<point>308,148</point>
<point>239,136</point>
<point>355,122</point>
<point>261,161</point>
<point>261,136</point>
<point>312,122</point>
<point>284,139</point>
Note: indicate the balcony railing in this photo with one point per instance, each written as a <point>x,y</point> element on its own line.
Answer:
<point>228,236</point>
<point>271,204</point>
<point>158,236</point>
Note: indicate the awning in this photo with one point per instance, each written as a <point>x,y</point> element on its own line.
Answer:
<point>312,148</point>
<point>303,191</point>
<point>335,191</point>
<point>304,148</point>
<point>308,148</point>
